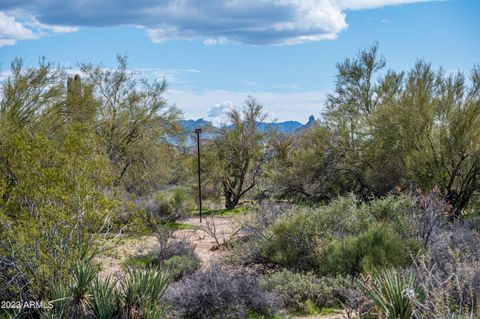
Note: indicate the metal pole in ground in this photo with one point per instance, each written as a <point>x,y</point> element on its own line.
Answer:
<point>198,131</point>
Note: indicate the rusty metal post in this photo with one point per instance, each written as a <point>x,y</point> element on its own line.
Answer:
<point>198,131</point>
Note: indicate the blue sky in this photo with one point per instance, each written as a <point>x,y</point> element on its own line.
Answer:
<point>214,53</point>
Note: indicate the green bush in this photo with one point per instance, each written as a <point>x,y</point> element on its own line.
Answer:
<point>105,302</point>
<point>295,238</point>
<point>180,266</point>
<point>291,241</point>
<point>305,293</point>
<point>140,293</point>
<point>378,246</point>
<point>318,238</point>
<point>169,206</point>
<point>175,255</point>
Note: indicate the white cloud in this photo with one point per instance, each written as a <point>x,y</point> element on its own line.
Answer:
<point>218,113</point>
<point>215,41</point>
<point>371,4</point>
<point>11,31</point>
<point>43,28</point>
<point>280,106</point>
<point>20,25</point>
<point>256,22</point>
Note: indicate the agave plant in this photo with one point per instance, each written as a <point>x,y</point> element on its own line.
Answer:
<point>141,293</point>
<point>105,299</point>
<point>393,294</point>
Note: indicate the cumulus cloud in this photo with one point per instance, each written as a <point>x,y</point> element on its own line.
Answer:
<point>11,31</point>
<point>219,110</point>
<point>257,22</point>
<point>20,25</point>
<point>218,113</point>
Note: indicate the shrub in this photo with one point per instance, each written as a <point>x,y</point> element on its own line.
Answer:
<point>378,246</point>
<point>168,248</point>
<point>300,238</point>
<point>452,288</point>
<point>81,299</point>
<point>180,266</point>
<point>300,291</point>
<point>169,206</point>
<point>13,283</point>
<point>105,302</point>
<point>291,241</point>
<point>214,293</point>
<point>175,255</point>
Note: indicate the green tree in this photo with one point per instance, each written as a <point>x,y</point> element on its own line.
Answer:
<point>134,122</point>
<point>437,122</point>
<point>305,167</point>
<point>53,209</point>
<point>419,129</point>
<point>28,91</point>
<point>240,152</point>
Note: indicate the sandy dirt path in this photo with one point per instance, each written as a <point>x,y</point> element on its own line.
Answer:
<point>200,234</point>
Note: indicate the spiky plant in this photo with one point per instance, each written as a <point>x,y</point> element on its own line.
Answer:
<point>60,299</point>
<point>141,293</point>
<point>80,305</point>
<point>105,299</point>
<point>393,294</point>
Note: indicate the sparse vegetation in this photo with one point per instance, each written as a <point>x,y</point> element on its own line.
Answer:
<point>371,211</point>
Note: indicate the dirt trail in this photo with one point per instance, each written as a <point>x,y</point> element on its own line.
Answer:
<point>205,244</point>
<point>201,235</point>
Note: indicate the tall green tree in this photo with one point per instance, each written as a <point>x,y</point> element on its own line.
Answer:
<point>419,129</point>
<point>241,152</point>
<point>437,122</point>
<point>368,166</point>
<point>134,121</point>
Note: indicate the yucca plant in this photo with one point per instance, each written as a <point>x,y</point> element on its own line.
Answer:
<point>60,299</point>
<point>80,305</point>
<point>74,300</point>
<point>105,299</point>
<point>141,293</point>
<point>393,294</point>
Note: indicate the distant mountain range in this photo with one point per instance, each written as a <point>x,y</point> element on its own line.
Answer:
<point>209,131</point>
<point>287,127</point>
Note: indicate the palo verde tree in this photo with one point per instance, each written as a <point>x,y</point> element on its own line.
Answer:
<point>367,169</point>
<point>415,129</point>
<point>241,152</point>
<point>305,167</point>
<point>134,120</point>
<point>436,121</point>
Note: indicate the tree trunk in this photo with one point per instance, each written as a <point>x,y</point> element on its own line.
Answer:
<point>231,200</point>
